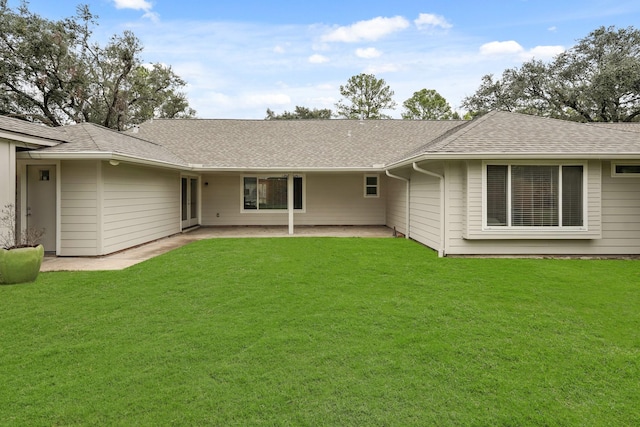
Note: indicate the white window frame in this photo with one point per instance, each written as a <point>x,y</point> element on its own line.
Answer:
<point>524,229</point>
<point>272,175</point>
<point>615,174</point>
<point>377,186</point>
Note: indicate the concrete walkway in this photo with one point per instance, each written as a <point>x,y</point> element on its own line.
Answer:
<point>129,257</point>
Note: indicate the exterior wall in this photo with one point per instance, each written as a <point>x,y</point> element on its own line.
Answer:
<point>396,205</point>
<point>620,214</point>
<point>330,199</point>
<point>7,176</point>
<point>425,208</point>
<point>613,218</point>
<point>138,205</point>
<point>79,213</point>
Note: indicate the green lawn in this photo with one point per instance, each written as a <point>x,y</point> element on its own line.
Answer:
<point>324,331</point>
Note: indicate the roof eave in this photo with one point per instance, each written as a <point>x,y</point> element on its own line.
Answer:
<point>28,141</point>
<point>100,155</point>
<point>512,156</point>
<point>103,155</point>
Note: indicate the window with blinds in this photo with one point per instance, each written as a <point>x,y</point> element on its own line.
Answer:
<point>534,196</point>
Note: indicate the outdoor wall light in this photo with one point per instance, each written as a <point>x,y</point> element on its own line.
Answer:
<point>114,162</point>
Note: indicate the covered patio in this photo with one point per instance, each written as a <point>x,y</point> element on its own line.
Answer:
<point>123,259</point>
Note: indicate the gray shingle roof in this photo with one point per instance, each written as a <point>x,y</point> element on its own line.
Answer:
<point>31,129</point>
<point>336,144</point>
<point>92,138</point>
<point>518,134</point>
<point>287,144</point>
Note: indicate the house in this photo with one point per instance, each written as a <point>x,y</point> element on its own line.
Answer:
<point>504,183</point>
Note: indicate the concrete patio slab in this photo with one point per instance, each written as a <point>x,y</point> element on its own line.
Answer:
<point>127,258</point>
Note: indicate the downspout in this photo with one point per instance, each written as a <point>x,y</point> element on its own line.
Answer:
<point>441,251</point>
<point>408,190</point>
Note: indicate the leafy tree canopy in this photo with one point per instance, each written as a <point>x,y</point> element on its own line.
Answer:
<point>427,104</point>
<point>365,98</point>
<point>52,73</point>
<point>596,80</point>
<point>300,113</point>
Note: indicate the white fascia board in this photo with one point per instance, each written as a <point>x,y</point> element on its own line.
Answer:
<point>285,169</point>
<point>27,141</point>
<point>512,156</point>
<point>100,155</point>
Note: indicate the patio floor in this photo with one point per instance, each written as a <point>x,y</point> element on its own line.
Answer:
<point>132,256</point>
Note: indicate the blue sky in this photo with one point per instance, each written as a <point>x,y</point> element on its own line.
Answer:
<point>240,58</point>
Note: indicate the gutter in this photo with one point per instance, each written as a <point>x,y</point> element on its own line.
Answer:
<point>513,156</point>
<point>408,190</point>
<point>441,251</point>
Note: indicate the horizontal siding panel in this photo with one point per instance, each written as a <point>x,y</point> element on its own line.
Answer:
<point>79,208</point>
<point>80,219</point>
<point>93,212</point>
<point>79,203</point>
<point>139,205</point>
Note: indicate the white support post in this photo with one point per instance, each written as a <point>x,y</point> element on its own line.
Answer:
<point>290,201</point>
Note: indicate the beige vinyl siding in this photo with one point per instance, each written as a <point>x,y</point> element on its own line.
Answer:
<point>79,214</point>
<point>331,199</point>
<point>139,205</point>
<point>620,214</point>
<point>396,204</point>
<point>7,173</point>
<point>472,240</point>
<point>425,209</point>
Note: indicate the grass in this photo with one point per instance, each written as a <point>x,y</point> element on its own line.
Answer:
<point>324,331</point>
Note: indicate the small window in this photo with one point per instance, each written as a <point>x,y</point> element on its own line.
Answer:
<point>371,186</point>
<point>631,170</point>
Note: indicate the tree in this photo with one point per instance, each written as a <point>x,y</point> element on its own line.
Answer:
<point>596,80</point>
<point>52,73</point>
<point>427,104</point>
<point>367,96</point>
<point>300,113</point>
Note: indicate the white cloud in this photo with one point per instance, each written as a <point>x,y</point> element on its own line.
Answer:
<point>133,4</point>
<point>429,20</point>
<point>368,53</point>
<point>514,48</point>
<point>370,30</point>
<point>279,49</point>
<point>318,59</point>
<point>553,29</point>
<point>545,52</point>
<point>501,48</point>
<point>139,5</point>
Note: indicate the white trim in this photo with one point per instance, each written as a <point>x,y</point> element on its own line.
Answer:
<point>189,177</point>
<point>273,175</point>
<point>528,232</point>
<point>290,201</point>
<point>376,186</point>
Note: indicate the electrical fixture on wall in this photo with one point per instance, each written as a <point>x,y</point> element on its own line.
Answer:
<point>114,162</point>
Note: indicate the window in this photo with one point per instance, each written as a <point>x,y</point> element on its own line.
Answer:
<point>269,193</point>
<point>371,186</point>
<point>627,170</point>
<point>522,195</point>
